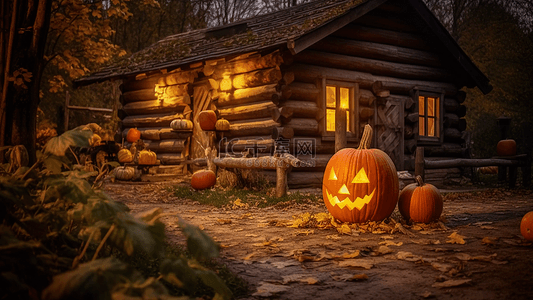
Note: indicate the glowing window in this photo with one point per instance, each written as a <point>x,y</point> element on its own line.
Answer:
<point>343,95</point>
<point>428,116</point>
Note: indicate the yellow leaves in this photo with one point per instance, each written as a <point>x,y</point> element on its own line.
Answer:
<point>20,77</point>
<point>57,83</point>
<point>351,277</point>
<point>357,263</point>
<point>456,238</point>
<point>344,229</point>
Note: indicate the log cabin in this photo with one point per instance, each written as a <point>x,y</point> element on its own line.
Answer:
<point>305,80</point>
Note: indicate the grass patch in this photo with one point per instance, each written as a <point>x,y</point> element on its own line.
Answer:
<point>255,198</point>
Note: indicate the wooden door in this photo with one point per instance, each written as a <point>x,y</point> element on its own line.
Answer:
<point>388,129</point>
<point>200,140</point>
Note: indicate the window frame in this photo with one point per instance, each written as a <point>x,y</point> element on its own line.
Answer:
<point>423,139</point>
<point>352,135</point>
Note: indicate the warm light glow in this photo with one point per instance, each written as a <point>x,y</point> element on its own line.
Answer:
<point>429,115</point>
<point>332,175</point>
<point>331,104</point>
<point>361,177</point>
<point>330,117</point>
<point>344,190</point>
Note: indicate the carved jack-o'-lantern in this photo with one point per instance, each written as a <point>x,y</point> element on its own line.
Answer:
<point>360,184</point>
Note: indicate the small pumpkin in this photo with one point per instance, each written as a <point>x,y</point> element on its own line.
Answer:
<point>506,147</point>
<point>125,156</point>
<point>124,173</point>
<point>526,226</point>
<point>207,119</point>
<point>222,125</point>
<point>420,202</point>
<point>147,157</point>
<point>360,184</point>
<point>203,179</point>
<point>181,124</point>
<point>133,135</point>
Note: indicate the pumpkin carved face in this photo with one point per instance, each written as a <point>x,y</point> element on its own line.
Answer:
<point>360,185</point>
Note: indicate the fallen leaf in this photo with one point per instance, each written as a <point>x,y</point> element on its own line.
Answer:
<point>485,257</point>
<point>356,263</point>
<point>344,229</point>
<point>451,283</point>
<point>251,235</point>
<point>283,264</point>
<point>334,237</point>
<point>249,256</point>
<point>427,294</point>
<point>224,221</point>
<point>267,289</point>
<point>305,232</point>
<point>351,255</point>
<point>463,256</point>
<point>456,238</point>
<point>442,267</point>
<point>305,278</point>
<point>391,243</point>
<point>408,256</point>
<point>382,250</point>
<point>351,277</point>
<point>490,240</point>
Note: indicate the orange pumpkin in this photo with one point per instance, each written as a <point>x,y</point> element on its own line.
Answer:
<point>506,148</point>
<point>207,119</point>
<point>147,157</point>
<point>133,135</point>
<point>203,179</point>
<point>526,226</point>
<point>360,184</point>
<point>420,202</point>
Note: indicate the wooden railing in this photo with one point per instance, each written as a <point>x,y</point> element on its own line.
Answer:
<point>512,162</point>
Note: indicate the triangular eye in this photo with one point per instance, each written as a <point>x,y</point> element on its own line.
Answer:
<point>361,177</point>
<point>344,190</point>
<point>332,175</point>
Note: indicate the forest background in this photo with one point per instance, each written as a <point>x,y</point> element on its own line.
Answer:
<point>46,44</point>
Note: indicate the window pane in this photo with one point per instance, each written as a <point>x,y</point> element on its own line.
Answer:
<point>345,98</point>
<point>347,121</point>
<point>330,96</point>
<point>421,105</point>
<point>421,130</point>
<point>431,106</point>
<point>437,116</point>
<point>330,120</point>
<point>431,127</point>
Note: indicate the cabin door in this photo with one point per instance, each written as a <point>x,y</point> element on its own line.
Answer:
<point>201,140</point>
<point>389,129</point>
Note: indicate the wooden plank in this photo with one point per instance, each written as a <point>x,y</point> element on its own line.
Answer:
<point>155,120</point>
<point>171,104</point>
<point>246,111</point>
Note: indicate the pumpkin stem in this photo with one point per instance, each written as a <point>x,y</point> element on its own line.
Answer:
<point>366,139</point>
<point>419,180</point>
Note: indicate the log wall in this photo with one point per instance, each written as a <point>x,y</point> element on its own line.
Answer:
<point>150,103</point>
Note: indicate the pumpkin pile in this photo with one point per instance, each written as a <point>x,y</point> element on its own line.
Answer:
<point>360,184</point>
<point>420,202</point>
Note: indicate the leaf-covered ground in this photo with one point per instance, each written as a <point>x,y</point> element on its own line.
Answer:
<point>298,252</point>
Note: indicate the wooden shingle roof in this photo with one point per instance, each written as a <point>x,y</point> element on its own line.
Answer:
<point>295,28</point>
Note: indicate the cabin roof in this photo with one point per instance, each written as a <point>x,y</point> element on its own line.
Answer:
<point>295,29</point>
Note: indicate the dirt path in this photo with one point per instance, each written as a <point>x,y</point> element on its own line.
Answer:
<point>387,262</point>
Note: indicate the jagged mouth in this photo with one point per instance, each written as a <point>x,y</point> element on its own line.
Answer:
<point>347,202</point>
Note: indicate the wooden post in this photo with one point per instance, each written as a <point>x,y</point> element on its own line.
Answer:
<point>281,179</point>
<point>340,128</point>
<point>419,162</point>
<point>67,102</point>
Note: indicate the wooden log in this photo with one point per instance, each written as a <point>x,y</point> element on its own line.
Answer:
<point>163,146</point>
<point>376,67</point>
<point>271,60</point>
<point>451,120</point>
<point>446,149</point>
<point>412,118</point>
<point>367,98</point>
<point>300,109</point>
<point>252,127</point>
<point>158,133</point>
<point>171,158</point>
<point>256,78</point>
<point>139,95</point>
<point>172,91</point>
<point>408,131</point>
<point>131,84</point>
<point>388,21</point>
<point>420,162</point>
<point>366,113</point>
<point>178,77</point>
<point>303,126</point>
<point>309,73</point>
<point>409,102</point>
<point>262,162</point>
<point>410,146</point>
<point>282,133</point>
<point>157,106</point>
<point>281,181</point>
<point>247,111</point>
<point>155,120</point>
<point>286,92</point>
<point>382,36</point>
<point>378,51</point>
<point>288,78</point>
<point>469,162</point>
<point>452,134</point>
<point>309,164</point>
<point>257,144</point>
<point>255,94</point>
<point>450,105</point>
<point>304,91</point>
